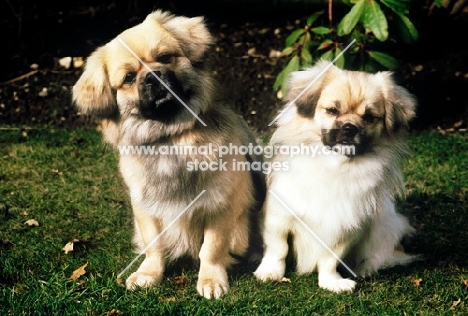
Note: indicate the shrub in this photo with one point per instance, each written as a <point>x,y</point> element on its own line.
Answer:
<point>364,30</point>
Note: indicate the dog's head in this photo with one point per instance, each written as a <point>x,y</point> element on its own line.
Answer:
<point>349,107</point>
<point>148,73</point>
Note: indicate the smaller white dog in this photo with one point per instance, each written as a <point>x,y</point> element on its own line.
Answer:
<point>337,200</point>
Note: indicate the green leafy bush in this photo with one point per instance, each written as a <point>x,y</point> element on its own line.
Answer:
<point>364,28</point>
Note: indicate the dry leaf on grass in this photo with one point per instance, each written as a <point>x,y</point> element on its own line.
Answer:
<point>455,304</point>
<point>121,282</point>
<point>181,280</point>
<point>68,247</point>
<point>167,299</point>
<point>78,272</point>
<point>417,282</point>
<point>465,282</point>
<point>19,290</point>
<point>114,312</point>
<point>32,222</point>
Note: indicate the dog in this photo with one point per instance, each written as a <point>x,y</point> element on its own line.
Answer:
<point>151,86</point>
<point>338,206</point>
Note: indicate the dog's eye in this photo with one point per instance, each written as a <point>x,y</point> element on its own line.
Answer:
<point>130,77</point>
<point>165,58</point>
<point>332,111</point>
<point>368,117</point>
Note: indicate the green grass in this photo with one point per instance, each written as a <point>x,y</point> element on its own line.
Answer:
<point>69,183</point>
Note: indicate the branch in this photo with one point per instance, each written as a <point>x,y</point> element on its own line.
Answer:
<point>19,78</point>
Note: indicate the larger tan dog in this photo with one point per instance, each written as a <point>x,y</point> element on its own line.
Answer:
<point>151,88</point>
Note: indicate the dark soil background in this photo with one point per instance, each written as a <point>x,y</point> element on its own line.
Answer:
<point>435,69</point>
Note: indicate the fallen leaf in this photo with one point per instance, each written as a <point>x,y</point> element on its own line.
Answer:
<point>55,171</point>
<point>19,290</point>
<point>78,62</point>
<point>114,312</point>
<point>417,282</point>
<point>167,299</point>
<point>65,62</point>
<point>279,94</point>
<point>68,247</point>
<point>465,282</point>
<point>78,272</point>
<point>181,280</point>
<point>275,53</point>
<point>121,282</point>
<point>419,68</point>
<point>455,304</point>
<point>285,280</point>
<point>251,51</point>
<point>458,124</point>
<point>32,222</point>
<point>43,93</point>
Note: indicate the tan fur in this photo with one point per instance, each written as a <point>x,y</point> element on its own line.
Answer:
<point>161,186</point>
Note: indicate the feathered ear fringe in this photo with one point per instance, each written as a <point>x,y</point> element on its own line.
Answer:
<point>304,87</point>
<point>399,104</point>
<point>92,94</point>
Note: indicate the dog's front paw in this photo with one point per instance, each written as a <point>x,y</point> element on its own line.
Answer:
<point>365,270</point>
<point>337,285</point>
<point>210,288</point>
<point>270,270</point>
<point>141,279</point>
<point>212,283</point>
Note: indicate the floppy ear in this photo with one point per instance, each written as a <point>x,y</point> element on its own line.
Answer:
<point>399,104</point>
<point>305,87</point>
<point>191,33</point>
<point>92,93</point>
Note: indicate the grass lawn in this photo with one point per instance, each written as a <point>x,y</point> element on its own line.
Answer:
<point>67,183</point>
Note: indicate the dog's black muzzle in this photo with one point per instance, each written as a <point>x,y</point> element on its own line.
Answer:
<point>346,135</point>
<point>157,100</point>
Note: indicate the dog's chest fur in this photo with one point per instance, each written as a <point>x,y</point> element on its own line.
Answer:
<point>161,183</point>
<point>334,193</point>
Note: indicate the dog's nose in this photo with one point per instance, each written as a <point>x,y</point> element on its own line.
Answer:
<point>349,130</point>
<point>151,78</point>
